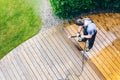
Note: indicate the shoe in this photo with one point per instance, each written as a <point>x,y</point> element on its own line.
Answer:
<point>87,49</point>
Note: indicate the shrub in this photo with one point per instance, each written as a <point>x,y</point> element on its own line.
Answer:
<point>71,8</point>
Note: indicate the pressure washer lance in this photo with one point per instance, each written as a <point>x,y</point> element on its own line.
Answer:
<point>84,52</point>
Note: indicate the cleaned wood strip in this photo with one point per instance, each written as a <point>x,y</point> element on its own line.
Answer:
<point>23,64</point>
<point>33,61</point>
<point>33,70</point>
<point>57,56</point>
<point>14,72</point>
<point>8,68</point>
<point>19,71</point>
<point>2,77</point>
<point>48,49</point>
<point>4,71</point>
<point>41,68</point>
<point>50,58</point>
<point>42,55</point>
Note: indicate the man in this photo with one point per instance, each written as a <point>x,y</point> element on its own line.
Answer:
<point>89,31</point>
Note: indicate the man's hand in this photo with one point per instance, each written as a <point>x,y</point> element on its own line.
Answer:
<point>78,34</point>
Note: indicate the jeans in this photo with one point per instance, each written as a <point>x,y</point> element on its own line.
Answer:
<point>90,40</point>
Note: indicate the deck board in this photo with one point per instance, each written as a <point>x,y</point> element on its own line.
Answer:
<point>31,54</point>
<point>4,71</point>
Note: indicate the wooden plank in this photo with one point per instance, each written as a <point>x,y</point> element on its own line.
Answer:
<point>112,60</point>
<point>41,68</point>
<point>112,56</point>
<point>2,76</point>
<point>100,65</point>
<point>97,63</point>
<point>43,56</point>
<point>52,61</point>
<point>105,62</point>
<point>23,64</point>
<point>39,72</point>
<point>57,56</point>
<point>28,62</point>
<point>4,71</point>
<point>11,65</point>
<point>34,51</point>
<point>11,58</point>
<point>9,69</point>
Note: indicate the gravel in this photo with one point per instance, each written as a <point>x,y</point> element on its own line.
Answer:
<point>48,18</point>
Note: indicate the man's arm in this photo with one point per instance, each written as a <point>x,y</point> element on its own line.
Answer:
<point>80,29</point>
<point>86,36</point>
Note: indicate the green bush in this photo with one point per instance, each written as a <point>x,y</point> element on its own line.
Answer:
<point>71,8</point>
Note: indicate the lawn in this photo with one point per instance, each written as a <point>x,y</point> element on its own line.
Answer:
<point>19,21</point>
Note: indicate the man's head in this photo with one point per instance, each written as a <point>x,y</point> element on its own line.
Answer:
<point>83,22</point>
<point>79,22</point>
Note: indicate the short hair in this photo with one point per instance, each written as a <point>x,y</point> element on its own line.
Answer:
<point>79,22</point>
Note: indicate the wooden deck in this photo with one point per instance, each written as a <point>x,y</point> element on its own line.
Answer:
<point>50,55</point>
<point>105,54</point>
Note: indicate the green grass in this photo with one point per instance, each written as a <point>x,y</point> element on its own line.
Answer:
<point>19,21</point>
